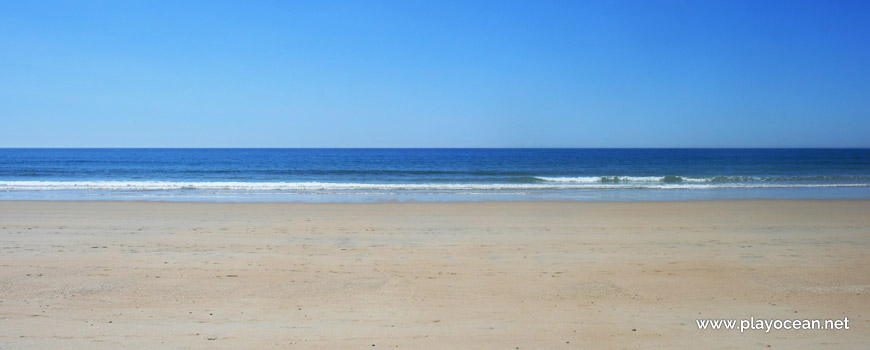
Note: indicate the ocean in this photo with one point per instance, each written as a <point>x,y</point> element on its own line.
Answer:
<point>375,175</point>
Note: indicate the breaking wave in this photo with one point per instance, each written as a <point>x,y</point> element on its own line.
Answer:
<point>857,180</point>
<point>549,183</point>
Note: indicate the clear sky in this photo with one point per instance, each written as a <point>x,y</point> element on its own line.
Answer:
<point>435,74</point>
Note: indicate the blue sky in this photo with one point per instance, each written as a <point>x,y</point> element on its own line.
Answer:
<point>435,74</point>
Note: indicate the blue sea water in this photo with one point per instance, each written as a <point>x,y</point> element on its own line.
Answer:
<point>365,175</point>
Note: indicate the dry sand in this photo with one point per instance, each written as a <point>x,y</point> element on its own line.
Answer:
<point>107,275</point>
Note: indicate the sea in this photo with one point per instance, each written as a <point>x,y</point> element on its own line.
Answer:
<point>404,175</point>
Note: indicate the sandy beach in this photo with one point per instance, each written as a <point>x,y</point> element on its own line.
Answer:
<point>506,275</point>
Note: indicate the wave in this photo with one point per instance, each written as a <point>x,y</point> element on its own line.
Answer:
<point>710,179</point>
<point>602,179</point>
<point>582,183</point>
<point>643,179</point>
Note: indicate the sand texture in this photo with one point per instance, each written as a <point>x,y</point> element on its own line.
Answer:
<point>507,275</point>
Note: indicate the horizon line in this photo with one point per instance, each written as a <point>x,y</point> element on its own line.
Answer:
<point>432,148</point>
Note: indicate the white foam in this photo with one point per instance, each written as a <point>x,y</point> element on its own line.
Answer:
<point>637,183</point>
<point>696,179</point>
<point>582,179</point>
<point>603,179</point>
<point>644,179</point>
<point>640,178</point>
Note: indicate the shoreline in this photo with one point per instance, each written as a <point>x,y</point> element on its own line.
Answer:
<point>413,202</point>
<point>430,275</point>
<point>586,195</point>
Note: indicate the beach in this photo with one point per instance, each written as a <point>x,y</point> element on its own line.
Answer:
<point>487,275</point>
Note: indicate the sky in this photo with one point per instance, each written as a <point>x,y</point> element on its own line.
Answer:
<point>435,74</point>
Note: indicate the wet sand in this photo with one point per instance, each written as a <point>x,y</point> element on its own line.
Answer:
<point>506,275</point>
